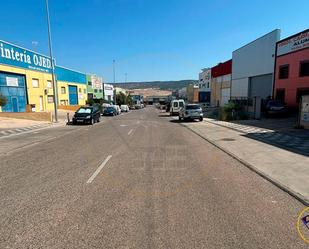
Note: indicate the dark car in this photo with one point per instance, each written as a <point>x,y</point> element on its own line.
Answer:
<point>87,115</point>
<point>275,107</point>
<point>110,111</point>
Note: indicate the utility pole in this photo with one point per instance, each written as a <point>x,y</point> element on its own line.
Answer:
<point>114,73</point>
<point>55,89</point>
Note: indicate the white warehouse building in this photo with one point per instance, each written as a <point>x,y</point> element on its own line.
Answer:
<point>253,67</point>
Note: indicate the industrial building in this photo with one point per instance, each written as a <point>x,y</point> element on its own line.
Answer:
<point>292,69</point>
<point>221,83</point>
<point>253,67</point>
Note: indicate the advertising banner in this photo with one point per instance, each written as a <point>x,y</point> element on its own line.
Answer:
<point>295,43</point>
<point>19,57</point>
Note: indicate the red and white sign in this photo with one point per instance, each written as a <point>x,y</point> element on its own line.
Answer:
<point>293,44</point>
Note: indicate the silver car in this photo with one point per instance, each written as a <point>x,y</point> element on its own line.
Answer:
<point>190,112</point>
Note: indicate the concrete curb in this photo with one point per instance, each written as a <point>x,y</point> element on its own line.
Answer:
<point>286,189</point>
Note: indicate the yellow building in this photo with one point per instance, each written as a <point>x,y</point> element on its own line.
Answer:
<point>26,81</point>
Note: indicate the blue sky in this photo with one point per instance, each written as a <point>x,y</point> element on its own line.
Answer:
<point>150,40</point>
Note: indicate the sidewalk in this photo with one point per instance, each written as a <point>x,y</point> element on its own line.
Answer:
<point>13,126</point>
<point>286,169</point>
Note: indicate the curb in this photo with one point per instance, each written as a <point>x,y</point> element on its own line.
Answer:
<point>278,184</point>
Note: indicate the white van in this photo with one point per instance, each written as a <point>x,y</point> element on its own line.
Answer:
<point>176,105</point>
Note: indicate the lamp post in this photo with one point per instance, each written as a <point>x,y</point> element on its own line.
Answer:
<point>55,89</point>
<point>114,73</point>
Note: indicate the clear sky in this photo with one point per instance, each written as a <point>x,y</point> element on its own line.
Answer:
<point>149,39</point>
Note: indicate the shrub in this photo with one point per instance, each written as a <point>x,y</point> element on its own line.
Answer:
<point>3,100</point>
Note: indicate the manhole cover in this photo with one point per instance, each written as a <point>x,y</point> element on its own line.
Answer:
<point>228,139</point>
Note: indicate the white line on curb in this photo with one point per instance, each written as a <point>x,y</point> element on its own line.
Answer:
<point>99,169</point>
<point>129,133</point>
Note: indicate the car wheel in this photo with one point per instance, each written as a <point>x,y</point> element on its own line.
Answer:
<point>91,121</point>
<point>201,118</point>
<point>98,120</point>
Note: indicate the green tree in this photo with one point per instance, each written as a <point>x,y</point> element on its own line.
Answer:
<point>121,99</point>
<point>3,100</point>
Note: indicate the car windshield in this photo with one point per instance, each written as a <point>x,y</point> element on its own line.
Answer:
<point>193,107</point>
<point>275,103</point>
<point>84,110</point>
<point>110,109</point>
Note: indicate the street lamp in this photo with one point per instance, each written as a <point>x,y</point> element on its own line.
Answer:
<point>52,64</point>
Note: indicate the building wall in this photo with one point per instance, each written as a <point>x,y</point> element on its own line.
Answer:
<point>221,79</point>
<point>205,80</point>
<point>34,93</point>
<point>193,93</point>
<point>294,81</point>
<point>254,59</point>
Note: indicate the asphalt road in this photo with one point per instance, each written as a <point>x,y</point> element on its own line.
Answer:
<point>138,180</point>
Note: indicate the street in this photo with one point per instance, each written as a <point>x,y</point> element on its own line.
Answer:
<point>138,180</point>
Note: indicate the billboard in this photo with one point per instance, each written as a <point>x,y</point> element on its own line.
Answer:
<point>293,43</point>
<point>13,55</point>
<point>97,82</point>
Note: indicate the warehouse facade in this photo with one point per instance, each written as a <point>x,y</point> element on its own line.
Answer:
<point>26,81</point>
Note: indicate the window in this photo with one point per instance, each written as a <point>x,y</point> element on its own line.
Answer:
<point>101,90</point>
<point>176,104</point>
<point>79,90</point>
<point>95,90</point>
<point>62,90</point>
<point>304,69</point>
<point>85,91</point>
<point>284,72</point>
<point>180,104</point>
<point>50,99</point>
<point>35,83</point>
<point>208,85</point>
<point>89,83</point>
<point>49,84</point>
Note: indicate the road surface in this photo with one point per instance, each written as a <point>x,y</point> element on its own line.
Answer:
<point>139,180</point>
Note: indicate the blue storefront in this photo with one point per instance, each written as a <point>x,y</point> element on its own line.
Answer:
<point>12,86</point>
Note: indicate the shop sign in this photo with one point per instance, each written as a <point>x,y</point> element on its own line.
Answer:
<point>97,82</point>
<point>293,44</point>
<point>12,55</point>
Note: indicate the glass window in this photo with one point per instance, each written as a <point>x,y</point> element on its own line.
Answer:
<point>284,72</point>
<point>35,83</point>
<point>193,107</point>
<point>175,104</point>
<point>84,90</point>
<point>180,104</point>
<point>62,90</point>
<point>79,90</point>
<point>304,69</point>
<point>50,99</point>
<point>95,90</point>
<point>89,83</point>
<point>49,84</point>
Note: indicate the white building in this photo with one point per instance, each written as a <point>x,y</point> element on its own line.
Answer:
<point>253,67</point>
<point>204,85</point>
<point>108,92</point>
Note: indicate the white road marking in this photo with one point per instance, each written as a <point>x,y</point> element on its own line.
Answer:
<point>99,169</point>
<point>129,133</point>
<point>123,125</point>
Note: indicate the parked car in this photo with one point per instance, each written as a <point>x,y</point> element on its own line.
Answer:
<point>190,112</point>
<point>275,107</point>
<point>117,108</point>
<point>87,115</point>
<point>124,108</point>
<point>109,111</point>
<point>176,105</point>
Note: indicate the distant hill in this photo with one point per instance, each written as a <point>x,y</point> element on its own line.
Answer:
<point>162,85</point>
